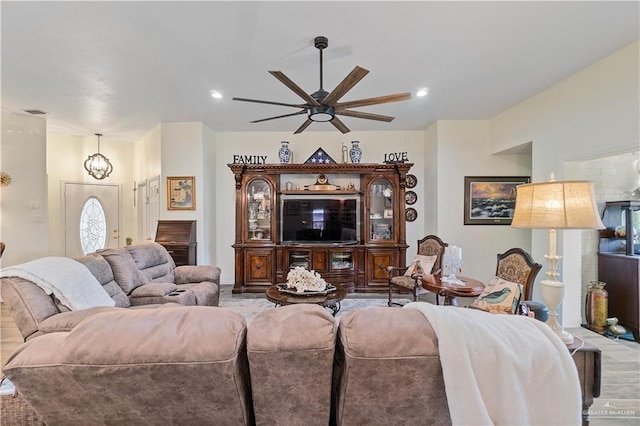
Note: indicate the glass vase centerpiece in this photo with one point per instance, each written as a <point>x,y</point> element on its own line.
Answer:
<point>452,262</point>
<point>303,280</point>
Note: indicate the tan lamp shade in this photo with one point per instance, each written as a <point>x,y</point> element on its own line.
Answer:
<point>556,205</point>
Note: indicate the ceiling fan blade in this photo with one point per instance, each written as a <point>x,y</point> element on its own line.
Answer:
<point>270,102</point>
<point>304,126</point>
<point>374,101</point>
<point>279,116</point>
<point>291,85</point>
<point>345,85</point>
<point>339,125</point>
<point>366,115</point>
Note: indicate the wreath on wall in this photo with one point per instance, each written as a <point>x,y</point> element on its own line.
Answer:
<point>5,179</point>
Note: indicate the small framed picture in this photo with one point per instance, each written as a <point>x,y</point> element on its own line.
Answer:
<point>490,200</point>
<point>388,213</point>
<point>181,193</point>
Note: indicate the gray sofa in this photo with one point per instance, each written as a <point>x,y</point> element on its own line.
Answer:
<point>202,365</point>
<point>137,276</point>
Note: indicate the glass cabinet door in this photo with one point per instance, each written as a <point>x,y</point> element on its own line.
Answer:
<point>299,258</point>
<point>381,198</point>
<point>259,210</point>
<point>341,260</point>
<point>622,221</point>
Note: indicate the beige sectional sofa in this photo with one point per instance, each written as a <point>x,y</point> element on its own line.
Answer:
<point>291,365</point>
<point>137,276</point>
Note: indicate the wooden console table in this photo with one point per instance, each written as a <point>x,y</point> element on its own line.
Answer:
<point>587,359</point>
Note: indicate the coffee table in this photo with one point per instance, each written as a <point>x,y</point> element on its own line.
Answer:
<point>471,288</point>
<point>330,301</point>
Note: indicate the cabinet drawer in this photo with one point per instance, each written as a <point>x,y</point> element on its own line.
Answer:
<point>320,260</point>
<point>259,266</point>
<point>377,263</point>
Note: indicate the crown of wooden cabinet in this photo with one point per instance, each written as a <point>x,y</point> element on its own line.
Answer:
<point>284,216</point>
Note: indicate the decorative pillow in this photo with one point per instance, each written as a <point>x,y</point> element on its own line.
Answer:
<point>421,265</point>
<point>499,297</point>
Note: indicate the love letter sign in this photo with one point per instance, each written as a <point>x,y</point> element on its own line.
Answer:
<point>396,157</point>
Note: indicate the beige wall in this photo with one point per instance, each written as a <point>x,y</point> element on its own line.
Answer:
<point>464,150</point>
<point>209,230</point>
<point>23,204</point>
<point>429,186</point>
<point>182,155</point>
<point>148,155</point>
<point>593,113</point>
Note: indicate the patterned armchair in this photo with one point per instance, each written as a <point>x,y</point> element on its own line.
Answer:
<point>517,266</point>
<point>430,245</point>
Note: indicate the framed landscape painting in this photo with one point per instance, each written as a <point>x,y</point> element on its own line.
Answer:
<point>181,193</point>
<point>490,200</point>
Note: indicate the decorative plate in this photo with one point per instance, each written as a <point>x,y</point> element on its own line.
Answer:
<point>411,181</point>
<point>410,214</point>
<point>410,197</point>
<point>283,289</point>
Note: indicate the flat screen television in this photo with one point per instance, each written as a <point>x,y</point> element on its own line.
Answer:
<point>320,220</point>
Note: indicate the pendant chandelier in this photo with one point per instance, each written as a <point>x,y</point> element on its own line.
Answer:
<point>97,164</point>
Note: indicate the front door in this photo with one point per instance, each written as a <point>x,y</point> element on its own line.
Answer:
<point>91,213</point>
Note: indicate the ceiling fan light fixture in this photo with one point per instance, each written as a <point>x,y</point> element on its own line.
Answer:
<point>323,106</point>
<point>321,113</point>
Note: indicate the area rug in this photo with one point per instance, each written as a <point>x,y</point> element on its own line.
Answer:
<point>251,307</point>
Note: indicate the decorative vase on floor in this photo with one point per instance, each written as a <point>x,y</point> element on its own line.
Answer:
<point>284,153</point>
<point>597,307</point>
<point>355,153</point>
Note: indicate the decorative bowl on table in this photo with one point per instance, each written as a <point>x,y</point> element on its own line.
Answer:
<point>292,290</point>
<point>301,281</point>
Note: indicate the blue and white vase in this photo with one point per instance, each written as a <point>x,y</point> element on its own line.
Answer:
<point>355,153</point>
<point>284,153</point>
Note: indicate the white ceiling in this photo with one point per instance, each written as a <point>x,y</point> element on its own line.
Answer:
<point>122,67</point>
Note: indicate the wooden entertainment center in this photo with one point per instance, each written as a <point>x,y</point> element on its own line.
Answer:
<point>355,255</point>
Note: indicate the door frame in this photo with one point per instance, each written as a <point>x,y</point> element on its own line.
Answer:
<point>63,209</point>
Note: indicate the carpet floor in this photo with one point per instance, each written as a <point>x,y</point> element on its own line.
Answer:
<point>250,307</point>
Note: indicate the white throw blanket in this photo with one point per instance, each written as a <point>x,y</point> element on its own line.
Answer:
<point>503,369</point>
<point>69,280</point>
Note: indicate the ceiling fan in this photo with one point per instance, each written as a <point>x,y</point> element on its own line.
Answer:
<point>324,106</point>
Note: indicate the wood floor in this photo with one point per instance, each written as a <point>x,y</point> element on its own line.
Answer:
<point>10,337</point>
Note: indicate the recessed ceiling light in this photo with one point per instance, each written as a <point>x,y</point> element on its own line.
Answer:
<point>216,95</point>
<point>422,92</point>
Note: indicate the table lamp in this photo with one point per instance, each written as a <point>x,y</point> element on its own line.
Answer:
<point>556,205</point>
